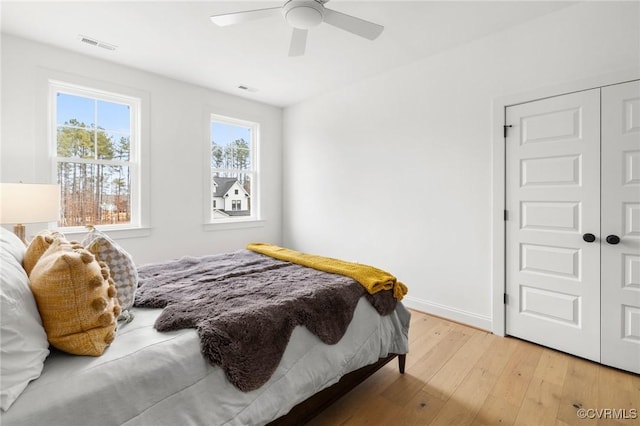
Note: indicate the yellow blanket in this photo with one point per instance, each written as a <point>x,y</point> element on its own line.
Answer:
<point>372,279</point>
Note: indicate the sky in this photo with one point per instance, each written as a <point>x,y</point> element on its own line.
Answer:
<point>115,118</point>
<point>223,134</point>
<point>110,116</point>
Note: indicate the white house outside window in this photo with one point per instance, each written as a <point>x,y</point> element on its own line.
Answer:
<point>233,169</point>
<point>96,136</point>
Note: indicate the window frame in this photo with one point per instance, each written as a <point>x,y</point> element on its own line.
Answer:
<point>138,200</point>
<point>254,218</point>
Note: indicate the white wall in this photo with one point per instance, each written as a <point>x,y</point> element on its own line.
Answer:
<point>177,137</point>
<point>422,134</point>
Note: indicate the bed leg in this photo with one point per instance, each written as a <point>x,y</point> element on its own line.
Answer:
<point>401,360</point>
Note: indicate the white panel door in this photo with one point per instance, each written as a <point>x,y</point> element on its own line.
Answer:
<point>621,221</point>
<point>552,201</point>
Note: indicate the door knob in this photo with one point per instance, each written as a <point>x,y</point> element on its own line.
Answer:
<point>589,238</point>
<point>613,239</point>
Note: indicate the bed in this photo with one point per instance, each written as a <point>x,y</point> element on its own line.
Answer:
<point>146,376</point>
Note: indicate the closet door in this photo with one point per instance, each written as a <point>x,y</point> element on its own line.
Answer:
<point>621,226</point>
<point>553,222</point>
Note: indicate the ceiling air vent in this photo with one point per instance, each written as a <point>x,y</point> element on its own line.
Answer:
<point>94,42</point>
<point>247,88</point>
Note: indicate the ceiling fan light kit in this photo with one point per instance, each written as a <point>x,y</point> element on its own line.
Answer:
<point>303,15</point>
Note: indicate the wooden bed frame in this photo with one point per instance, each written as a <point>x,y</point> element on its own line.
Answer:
<point>312,406</point>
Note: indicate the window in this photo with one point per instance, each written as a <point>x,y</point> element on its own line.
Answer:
<point>96,150</point>
<point>233,169</point>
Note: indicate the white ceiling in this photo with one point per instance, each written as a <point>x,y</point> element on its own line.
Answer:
<point>177,39</point>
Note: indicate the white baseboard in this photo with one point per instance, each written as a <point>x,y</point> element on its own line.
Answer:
<point>447,312</point>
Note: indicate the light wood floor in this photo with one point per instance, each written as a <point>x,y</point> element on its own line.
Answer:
<point>457,375</point>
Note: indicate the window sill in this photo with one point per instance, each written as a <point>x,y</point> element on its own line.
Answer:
<point>120,233</point>
<point>224,225</point>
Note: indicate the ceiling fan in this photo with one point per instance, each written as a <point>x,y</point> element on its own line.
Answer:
<point>303,15</point>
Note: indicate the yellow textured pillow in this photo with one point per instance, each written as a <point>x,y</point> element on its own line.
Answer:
<point>76,299</point>
<point>37,247</point>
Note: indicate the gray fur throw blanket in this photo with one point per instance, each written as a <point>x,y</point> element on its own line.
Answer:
<point>245,306</point>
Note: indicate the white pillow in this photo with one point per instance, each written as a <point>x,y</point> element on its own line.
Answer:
<point>23,341</point>
<point>12,244</point>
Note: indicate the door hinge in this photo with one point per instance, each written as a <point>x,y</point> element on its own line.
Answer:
<point>506,215</point>
<point>505,129</point>
<point>506,298</point>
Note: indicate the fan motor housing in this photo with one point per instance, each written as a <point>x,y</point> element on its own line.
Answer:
<point>303,14</point>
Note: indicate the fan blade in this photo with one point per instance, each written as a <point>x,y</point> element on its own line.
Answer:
<point>248,15</point>
<point>298,42</point>
<point>354,25</point>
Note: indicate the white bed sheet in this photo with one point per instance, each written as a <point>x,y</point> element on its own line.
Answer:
<point>150,378</point>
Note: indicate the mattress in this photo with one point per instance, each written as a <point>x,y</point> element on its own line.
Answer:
<point>150,378</point>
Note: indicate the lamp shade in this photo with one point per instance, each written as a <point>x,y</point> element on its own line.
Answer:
<point>29,203</point>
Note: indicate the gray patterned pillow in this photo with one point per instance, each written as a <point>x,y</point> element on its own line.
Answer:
<point>120,263</point>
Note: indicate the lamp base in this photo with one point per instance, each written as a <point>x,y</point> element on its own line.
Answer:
<point>19,230</point>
